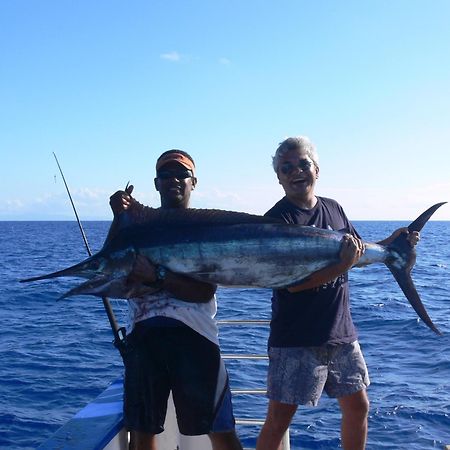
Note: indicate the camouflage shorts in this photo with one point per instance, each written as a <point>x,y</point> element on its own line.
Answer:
<point>299,375</point>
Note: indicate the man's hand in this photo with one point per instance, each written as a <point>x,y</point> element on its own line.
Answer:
<point>413,238</point>
<point>143,271</point>
<point>120,201</point>
<point>180,286</point>
<point>351,250</point>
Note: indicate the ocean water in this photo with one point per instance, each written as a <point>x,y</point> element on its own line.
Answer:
<point>57,356</point>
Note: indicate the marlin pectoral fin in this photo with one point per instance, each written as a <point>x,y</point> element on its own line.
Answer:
<point>105,286</point>
<point>94,286</point>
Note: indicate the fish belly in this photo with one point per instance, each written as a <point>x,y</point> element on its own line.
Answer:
<point>269,263</point>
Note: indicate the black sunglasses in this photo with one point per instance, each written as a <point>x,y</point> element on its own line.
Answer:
<point>287,168</point>
<point>180,174</point>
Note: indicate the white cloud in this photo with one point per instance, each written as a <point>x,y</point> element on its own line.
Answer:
<point>13,205</point>
<point>91,194</point>
<point>177,57</point>
<point>171,56</point>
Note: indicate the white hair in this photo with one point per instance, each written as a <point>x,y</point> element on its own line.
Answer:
<point>295,143</point>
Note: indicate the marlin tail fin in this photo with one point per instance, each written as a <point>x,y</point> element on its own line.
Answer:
<point>402,260</point>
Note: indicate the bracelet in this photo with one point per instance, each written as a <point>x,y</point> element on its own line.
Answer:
<point>161,273</point>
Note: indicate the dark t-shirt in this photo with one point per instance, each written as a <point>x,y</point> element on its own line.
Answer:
<point>316,316</point>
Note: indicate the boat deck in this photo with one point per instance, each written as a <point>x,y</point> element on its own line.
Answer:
<point>95,426</point>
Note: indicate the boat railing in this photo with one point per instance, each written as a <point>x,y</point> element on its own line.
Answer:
<point>285,445</point>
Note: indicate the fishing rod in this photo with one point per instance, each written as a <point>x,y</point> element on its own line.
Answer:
<point>118,332</point>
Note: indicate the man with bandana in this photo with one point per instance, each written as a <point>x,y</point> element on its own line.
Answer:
<point>173,338</point>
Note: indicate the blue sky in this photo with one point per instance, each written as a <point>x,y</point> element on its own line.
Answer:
<point>109,85</point>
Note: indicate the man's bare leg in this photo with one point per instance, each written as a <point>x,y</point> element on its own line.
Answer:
<point>355,411</point>
<point>142,441</point>
<point>279,417</point>
<point>225,441</point>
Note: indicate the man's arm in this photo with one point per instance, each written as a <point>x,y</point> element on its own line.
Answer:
<point>351,250</point>
<point>180,286</point>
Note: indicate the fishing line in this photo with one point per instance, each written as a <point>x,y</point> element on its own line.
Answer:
<point>118,332</point>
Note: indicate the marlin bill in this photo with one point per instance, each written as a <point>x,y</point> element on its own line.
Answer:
<point>230,249</point>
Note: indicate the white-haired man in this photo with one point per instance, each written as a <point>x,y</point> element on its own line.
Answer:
<point>313,343</point>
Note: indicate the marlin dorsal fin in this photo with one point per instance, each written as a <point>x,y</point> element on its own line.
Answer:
<point>158,216</point>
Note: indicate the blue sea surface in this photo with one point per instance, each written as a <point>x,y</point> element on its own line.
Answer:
<point>58,356</point>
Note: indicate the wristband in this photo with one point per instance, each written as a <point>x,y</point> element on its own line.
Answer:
<point>161,273</point>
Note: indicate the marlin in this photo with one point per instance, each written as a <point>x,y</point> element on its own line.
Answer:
<point>230,249</point>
